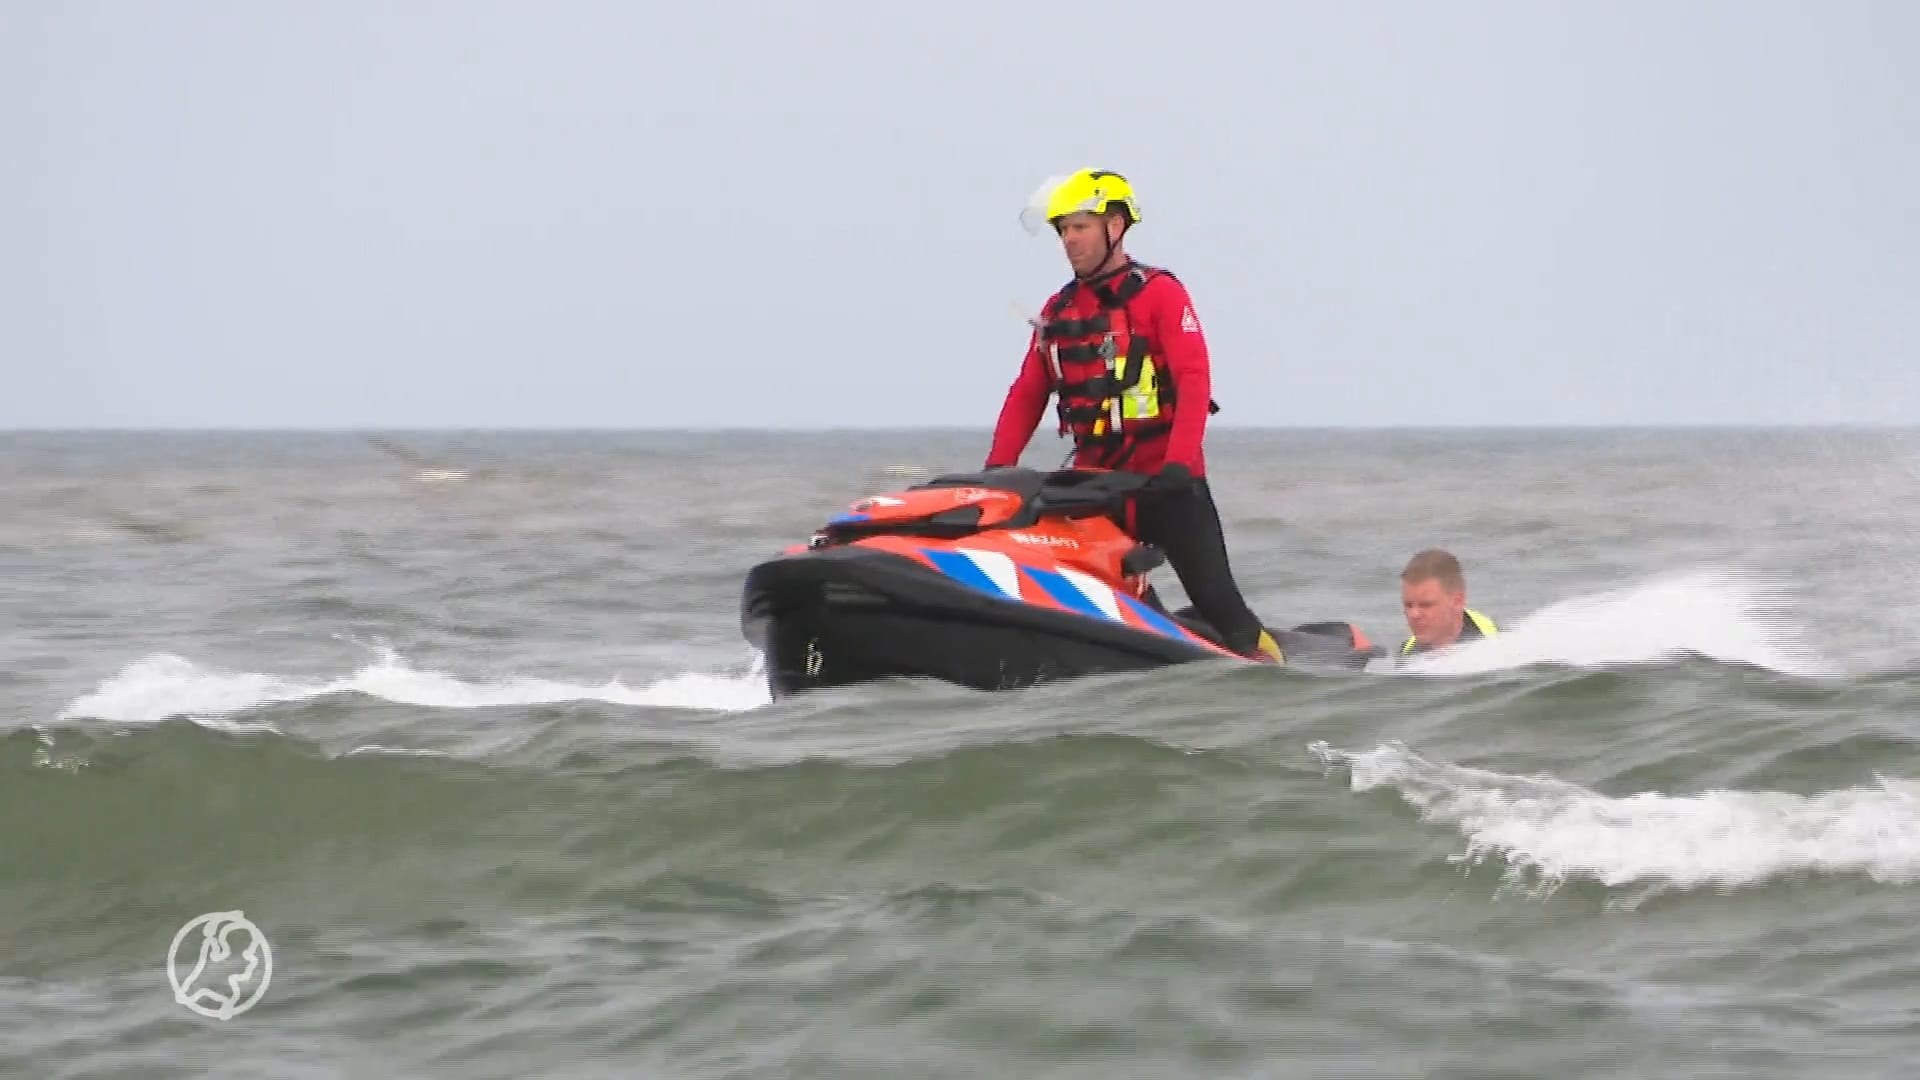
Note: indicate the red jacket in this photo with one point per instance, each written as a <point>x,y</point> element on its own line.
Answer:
<point>1165,311</point>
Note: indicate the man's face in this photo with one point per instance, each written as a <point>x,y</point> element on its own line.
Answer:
<point>1433,613</point>
<point>1084,239</point>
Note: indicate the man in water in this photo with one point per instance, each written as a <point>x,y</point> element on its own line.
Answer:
<point>1433,593</point>
<point>1115,344</point>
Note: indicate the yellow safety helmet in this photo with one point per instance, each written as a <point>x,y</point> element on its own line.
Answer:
<point>1092,191</point>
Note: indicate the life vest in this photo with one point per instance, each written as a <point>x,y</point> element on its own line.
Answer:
<point>1112,393</point>
<point>1474,625</point>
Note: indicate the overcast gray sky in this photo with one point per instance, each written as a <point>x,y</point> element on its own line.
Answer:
<point>804,214</point>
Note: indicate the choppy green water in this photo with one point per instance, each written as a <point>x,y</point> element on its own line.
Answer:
<point>486,763</point>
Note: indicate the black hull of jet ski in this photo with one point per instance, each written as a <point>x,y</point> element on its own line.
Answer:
<point>840,616</point>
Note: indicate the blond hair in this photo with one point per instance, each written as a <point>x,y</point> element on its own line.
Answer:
<point>1434,564</point>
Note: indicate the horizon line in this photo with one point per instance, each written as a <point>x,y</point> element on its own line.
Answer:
<point>1213,430</point>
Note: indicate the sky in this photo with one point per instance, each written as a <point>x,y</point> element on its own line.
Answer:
<point>645,215</point>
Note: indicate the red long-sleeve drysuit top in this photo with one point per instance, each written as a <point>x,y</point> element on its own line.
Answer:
<point>1164,310</point>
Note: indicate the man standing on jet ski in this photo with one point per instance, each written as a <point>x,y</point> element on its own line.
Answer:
<point>1121,347</point>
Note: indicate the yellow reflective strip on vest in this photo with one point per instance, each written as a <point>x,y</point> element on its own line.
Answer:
<point>1141,401</point>
<point>1480,622</point>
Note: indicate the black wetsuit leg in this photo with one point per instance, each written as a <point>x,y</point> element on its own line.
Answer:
<point>1185,525</point>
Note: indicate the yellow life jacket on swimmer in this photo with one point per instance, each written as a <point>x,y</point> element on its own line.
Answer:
<point>1473,625</point>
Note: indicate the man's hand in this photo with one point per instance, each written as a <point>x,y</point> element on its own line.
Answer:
<point>1172,477</point>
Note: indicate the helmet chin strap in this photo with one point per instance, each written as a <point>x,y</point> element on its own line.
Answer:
<point>1100,271</point>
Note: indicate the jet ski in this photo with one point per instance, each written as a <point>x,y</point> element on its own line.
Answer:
<point>994,580</point>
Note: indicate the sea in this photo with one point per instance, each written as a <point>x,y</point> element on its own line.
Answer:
<point>441,754</point>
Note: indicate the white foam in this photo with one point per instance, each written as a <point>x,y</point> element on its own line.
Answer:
<point>1725,615</point>
<point>163,686</point>
<point>1558,831</point>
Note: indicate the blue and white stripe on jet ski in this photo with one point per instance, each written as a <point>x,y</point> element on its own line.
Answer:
<point>1097,592</point>
<point>1071,594</point>
<point>1154,619</point>
<point>988,571</point>
<point>996,575</point>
